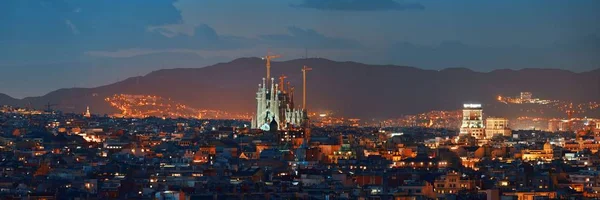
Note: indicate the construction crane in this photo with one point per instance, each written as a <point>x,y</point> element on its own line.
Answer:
<point>291,88</point>
<point>304,70</point>
<point>269,58</point>
<point>282,83</point>
<point>570,112</point>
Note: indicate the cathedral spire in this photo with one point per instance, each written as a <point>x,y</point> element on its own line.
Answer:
<point>272,91</point>
<point>87,112</point>
<point>275,103</point>
<point>291,96</point>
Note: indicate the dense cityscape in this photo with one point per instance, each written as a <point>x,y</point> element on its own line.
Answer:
<point>286,152</point>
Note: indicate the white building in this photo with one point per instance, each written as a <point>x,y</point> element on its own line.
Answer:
<point>472,121</point>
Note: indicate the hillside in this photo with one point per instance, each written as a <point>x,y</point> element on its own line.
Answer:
<point>347,88</point>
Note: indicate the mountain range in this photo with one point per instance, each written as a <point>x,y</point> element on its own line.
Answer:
<point>346,88</point>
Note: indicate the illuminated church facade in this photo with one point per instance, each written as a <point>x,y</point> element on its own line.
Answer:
<point>274,103</point>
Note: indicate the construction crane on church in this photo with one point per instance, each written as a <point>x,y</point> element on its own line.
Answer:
<point>304,70</point>
<point>269,57</point>
<point>282,83</point>
<point>291,94</point>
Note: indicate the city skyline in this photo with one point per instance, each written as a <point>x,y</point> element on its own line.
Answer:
<point>46,41</point>
<point>299,99</point>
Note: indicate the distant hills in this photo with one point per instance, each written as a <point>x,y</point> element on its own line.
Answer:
<point>347,88</point>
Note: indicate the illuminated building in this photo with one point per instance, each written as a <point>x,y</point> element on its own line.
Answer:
<point>87,112</point>
<point>275,103</point>
<point>452,183</point>
<point>565,125</point>
<point>344,153</point>
<point>529,123</point>
<point>597,129</point>
<point>532,195</point>
<point>554,125</point>
<point>580,145</point>
<point>588,179</point>
<point>421,162</point>
<point>496,126</point>
<point>526,96</point>
<point>205,154</point>
<point>354,122</point>
<point>546,154</point>
<point>472,121</point>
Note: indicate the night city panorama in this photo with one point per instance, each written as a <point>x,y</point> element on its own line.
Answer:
<point>299,99</point>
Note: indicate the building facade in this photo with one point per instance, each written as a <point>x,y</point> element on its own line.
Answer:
<point>496,126</point>
<point>452,183</point>
<point>545,154</point>
<point>472,121</point>
<point>274,103</point>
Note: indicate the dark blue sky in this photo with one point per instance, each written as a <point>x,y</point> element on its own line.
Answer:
<point>51,44</point>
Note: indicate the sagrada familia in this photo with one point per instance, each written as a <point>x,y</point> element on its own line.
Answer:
<point>275,109</point>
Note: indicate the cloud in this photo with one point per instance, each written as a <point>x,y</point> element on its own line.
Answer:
<point>36,19</point>
<point>58,30</point>
<point>204,40</point>
<point>72,27</point>
<point>308,38</point>
<point>485,58</point>
<point>45,31</point>
<point>203,37</point>
<point>359,5</point>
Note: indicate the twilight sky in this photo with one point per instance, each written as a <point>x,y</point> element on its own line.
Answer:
<point>50,44</point>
